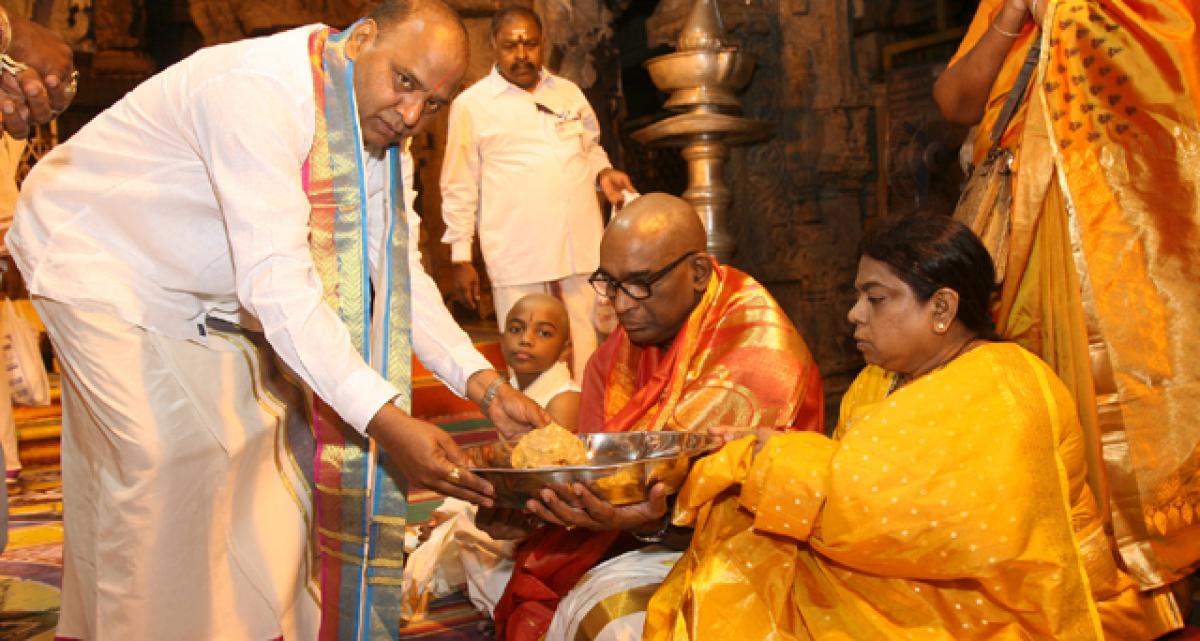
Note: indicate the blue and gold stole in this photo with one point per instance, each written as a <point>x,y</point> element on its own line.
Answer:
<point>360,498</point>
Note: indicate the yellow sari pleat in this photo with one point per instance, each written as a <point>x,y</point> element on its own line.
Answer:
<point>1104,273</point>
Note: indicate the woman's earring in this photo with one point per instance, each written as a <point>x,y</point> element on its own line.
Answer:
<point>941,327</point>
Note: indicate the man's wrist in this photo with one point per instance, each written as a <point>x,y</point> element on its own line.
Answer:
<point>1010,19</point>
<point>490,393</point>
<point>380,416</point>
<point>478,383</point>
<point>658,535</point>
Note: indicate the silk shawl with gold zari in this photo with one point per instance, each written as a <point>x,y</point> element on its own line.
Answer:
<point>360,503</point>
<point>1104,271</point>
<point>954,508</point>
<point>738,360</point>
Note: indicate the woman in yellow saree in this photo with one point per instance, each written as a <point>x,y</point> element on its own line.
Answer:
<point>951,503</point>
<point>1102,271</point>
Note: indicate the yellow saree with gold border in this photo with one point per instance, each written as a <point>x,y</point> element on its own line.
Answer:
<point>1104,266</point>
<point>954,508</point>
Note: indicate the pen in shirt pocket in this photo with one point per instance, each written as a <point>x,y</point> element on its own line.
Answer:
<point>561,115</point>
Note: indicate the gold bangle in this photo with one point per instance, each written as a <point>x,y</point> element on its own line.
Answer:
<point>1010,34</point>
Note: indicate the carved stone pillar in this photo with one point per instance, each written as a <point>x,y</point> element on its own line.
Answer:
<point>120,26</point>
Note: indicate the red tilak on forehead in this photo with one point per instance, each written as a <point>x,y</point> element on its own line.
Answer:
<point>442,82</point>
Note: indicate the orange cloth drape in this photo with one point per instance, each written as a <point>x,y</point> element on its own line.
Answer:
<point>955,508</point>
<point>1104,268</point>
<point>738,360</point>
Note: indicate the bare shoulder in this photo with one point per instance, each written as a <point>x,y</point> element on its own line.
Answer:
<point>564,409</point>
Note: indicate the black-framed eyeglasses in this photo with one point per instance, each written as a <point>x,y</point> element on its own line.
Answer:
<point>638,287</point>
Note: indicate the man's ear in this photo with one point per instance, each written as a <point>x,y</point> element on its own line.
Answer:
<point>364,33</point>
<point>702,267</point>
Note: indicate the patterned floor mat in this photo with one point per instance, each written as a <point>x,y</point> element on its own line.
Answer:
<point>31,567</point>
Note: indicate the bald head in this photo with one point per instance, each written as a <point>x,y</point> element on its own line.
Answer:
<point>548,305</point>
<point>665,223</point>
<point>655,247</point>
<point>393,12</point>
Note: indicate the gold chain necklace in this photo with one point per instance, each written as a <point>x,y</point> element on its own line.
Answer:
<point>901,380</point>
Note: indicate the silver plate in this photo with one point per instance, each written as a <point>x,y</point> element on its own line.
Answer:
<point>621,466</point>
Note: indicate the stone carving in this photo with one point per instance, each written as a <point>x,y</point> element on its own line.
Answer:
<point>229,20</point>
<point>72,19</point>
<point>120,27</point>
<point>574,30</point>
<point>119,24</point>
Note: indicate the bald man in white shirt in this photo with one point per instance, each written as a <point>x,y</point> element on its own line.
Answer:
<point>523,163</point>
<point>255,185</point>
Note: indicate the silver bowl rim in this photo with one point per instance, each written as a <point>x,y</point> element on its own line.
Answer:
<point>709,443</point>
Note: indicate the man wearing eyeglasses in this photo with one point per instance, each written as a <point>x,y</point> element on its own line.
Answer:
<point>699,344</point>
<point>523,164</point>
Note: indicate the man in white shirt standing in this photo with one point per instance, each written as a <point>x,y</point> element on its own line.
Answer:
<point>523,160</point>
<point>259,184</point>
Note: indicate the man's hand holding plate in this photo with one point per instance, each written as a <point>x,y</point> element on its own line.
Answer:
<point>577,506</point>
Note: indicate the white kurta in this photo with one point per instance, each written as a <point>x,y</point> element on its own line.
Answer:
<point>549,384</point>
<point>184,200</point>
<point>184,514</point>
<point>522,165</point>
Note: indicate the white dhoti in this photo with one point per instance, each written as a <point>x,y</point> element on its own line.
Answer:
<point>609,602</point>
<point>185,507</point>
<point>580,300</point>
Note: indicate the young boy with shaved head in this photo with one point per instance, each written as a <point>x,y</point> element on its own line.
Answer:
<point>536,342</point>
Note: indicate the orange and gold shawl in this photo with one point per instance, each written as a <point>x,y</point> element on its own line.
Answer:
<point>738,360</point>
<point>954,508</point>
<point>1104,267</point>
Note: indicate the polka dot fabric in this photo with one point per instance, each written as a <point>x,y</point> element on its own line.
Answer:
<point>941,511</point>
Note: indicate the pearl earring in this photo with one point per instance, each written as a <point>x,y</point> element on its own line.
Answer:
<point>941,327</point>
